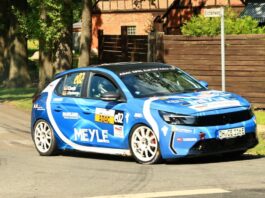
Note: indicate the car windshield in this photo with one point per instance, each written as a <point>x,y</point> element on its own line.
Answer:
<point>160,83</point>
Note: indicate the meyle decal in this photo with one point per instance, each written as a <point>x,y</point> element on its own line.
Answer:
<point>164,130</point>
<point>118,131</point>
<point>89,135</point>
<point>76,146</point>
<point>38,107</point>
<point>138,115</point>
<point>71,115</point>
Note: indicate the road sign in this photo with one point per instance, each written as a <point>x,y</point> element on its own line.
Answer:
<point>219,12</point>
<point>213,12</point>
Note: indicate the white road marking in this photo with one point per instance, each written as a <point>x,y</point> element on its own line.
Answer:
<point>169,193</point>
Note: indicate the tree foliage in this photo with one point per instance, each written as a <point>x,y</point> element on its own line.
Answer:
<point>204,26</point>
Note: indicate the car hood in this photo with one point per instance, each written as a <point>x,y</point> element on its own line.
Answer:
<point>197,102</point>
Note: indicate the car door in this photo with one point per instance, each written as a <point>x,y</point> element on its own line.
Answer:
<point>105,121</point>
<point>68,104</point>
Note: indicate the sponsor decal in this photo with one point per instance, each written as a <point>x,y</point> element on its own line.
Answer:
<point>213,105</point>
<point>69,88</point>
<point>118,117</point>
<point>79,79</point>
<point>38,107</point>
<point>138,115</point>
<point>104,115</point>
<point>57,100</point>
<point>109,116</point>
<point>187,139</point>
<point>127,117</point>
<point>71,115</point>
<point>90,135</point>
<point>182,130</point>
<point>118,131</point>
<point>205,100</point>
<point>138,71</point>
<point>164,130</point>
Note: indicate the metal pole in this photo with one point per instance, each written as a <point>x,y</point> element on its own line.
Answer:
<point>223,48</point>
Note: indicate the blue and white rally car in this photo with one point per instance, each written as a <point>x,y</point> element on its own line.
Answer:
<point>151,111</point>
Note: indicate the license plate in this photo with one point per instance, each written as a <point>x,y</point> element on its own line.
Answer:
<point>231,133</point>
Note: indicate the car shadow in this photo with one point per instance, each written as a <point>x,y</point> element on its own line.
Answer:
<point>181,161</point>
<point>213,159</point>
<point>96,156</point>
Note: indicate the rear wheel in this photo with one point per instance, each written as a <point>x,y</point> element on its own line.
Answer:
<point>44,139</point>
<point>144,145</point>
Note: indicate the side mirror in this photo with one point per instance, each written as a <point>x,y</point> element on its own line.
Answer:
<point>203,83</point>
<point>110,96</point>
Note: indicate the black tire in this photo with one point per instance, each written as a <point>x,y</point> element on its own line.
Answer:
<point>147,150</point>
<point>43,138</point>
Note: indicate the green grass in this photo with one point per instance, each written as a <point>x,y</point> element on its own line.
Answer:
<point>260,115</point>
<point>19,97</point>
<point>260,148</point>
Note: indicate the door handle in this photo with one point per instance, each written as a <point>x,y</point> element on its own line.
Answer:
<point>58,109</point>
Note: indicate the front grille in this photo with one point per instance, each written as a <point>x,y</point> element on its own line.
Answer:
<point>209,146</point>
<point>225,118</point>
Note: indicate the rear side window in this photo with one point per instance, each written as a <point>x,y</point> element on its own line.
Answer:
<point>71,85</point>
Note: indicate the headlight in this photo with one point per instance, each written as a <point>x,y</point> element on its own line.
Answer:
<point>177,119</point>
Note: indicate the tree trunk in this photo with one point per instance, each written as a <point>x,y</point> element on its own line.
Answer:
<point>46,69</point>
<point>17,50</point>
<point>86,34</point>
<point>2,38</point>
<point>63,54</point>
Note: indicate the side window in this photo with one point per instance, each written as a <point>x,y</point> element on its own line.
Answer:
<point>100,85</point>
<point>73,84</point>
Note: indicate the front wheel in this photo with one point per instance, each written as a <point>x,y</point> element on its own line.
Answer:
<point>144,145</point>
<point>43,138</point>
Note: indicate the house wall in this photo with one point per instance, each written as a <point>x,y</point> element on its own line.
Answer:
<point>111,23</point>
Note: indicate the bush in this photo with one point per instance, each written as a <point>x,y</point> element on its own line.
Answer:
<point>204,26</point>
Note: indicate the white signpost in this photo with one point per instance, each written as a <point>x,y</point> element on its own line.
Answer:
<point>219,12</point>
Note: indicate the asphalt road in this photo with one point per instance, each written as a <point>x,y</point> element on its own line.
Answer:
<point>23,173</point>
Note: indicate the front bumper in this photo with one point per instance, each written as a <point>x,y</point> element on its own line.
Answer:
<point>216,146</point>
<point>184,141</point>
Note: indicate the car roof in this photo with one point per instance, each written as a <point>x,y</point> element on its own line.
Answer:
<point>118,68</point>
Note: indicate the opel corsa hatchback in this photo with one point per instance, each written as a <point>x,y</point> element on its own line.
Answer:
<point>151,111</point>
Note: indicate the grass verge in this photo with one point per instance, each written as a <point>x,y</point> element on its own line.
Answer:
<point>19,97</point>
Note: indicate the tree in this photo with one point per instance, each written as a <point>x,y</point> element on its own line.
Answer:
<point>17,47</point>
<point>86,34</point>
<point>63,54</point>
